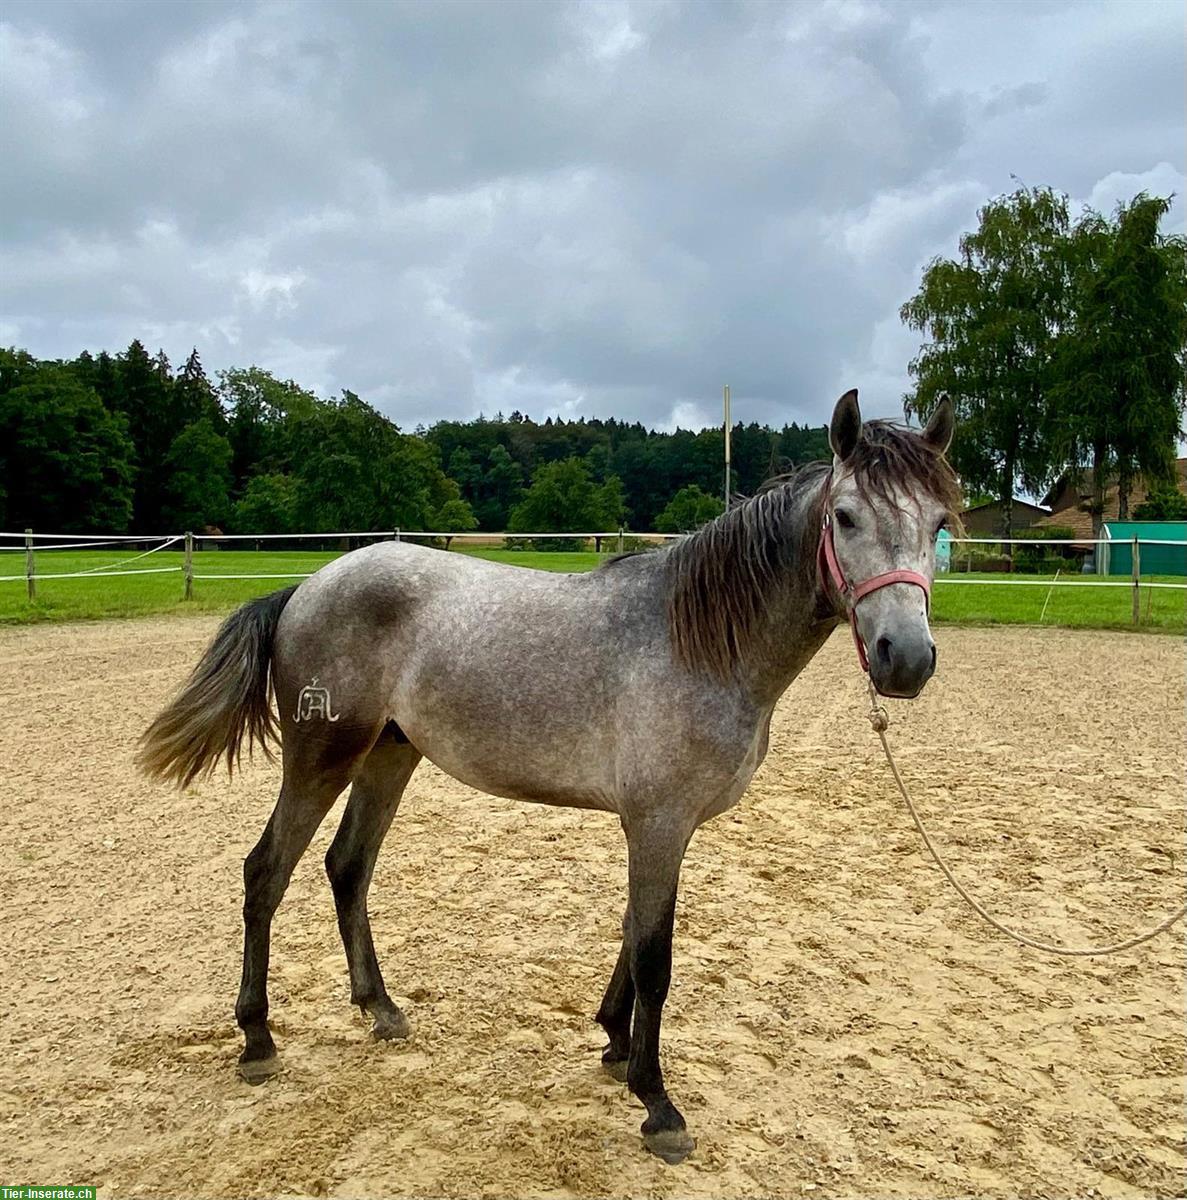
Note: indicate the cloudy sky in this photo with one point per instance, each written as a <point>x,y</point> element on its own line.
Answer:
<point>596,208</point>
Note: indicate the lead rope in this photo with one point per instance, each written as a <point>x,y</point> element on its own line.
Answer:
<point>880,720</point>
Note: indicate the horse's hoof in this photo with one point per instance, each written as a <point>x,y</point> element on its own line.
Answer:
<point>672,1145</point>
<point>259,1070</point>
<point>615,1068</point>
<point>391,1027</point>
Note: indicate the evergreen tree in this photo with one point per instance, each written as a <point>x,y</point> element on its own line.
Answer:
<point>143,394</point>
<point>262,410</point>
<point>198,478</point>
<point>467,474</point>
<point>106,381</point>
<point>194,398</point>
<point>66,463</point>
<point>1163,502</point>
<point>1119,395</point>
<point>502,487</point>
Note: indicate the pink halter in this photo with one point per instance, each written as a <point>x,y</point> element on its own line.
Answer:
<point>830,567</point>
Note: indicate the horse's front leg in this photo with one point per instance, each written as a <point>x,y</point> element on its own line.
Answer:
<point>655,852</point>
<point>614,1013</point>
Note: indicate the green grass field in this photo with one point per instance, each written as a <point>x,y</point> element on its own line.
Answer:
<point>1078,605</point>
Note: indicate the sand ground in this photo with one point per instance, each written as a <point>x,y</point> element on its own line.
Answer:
<point>840,1024</point>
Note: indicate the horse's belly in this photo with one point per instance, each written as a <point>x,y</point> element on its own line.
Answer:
<point>513,758</point>
<point>562,788</point>
<point>524,728</point>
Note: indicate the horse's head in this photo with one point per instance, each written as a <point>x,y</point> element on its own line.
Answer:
<point>890,492</point>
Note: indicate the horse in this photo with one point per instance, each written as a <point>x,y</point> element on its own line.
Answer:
<point>556,689</point>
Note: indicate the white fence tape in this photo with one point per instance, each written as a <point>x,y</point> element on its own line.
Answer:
<point>106,570</point>
<point>93,574</point>
<point>83,539</point>
<point>400,534</point>
<point>999,541</point>
<point>1014,581</point>
<point>122,542</point>
<point>267,537</point>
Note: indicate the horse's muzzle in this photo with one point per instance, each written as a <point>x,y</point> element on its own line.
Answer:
<point>901,665</point>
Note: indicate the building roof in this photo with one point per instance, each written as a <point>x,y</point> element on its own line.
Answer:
<point>1074,514</point>
<point>1085,473</point>
<point>1018,503</point>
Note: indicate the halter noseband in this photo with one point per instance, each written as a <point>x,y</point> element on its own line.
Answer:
<point>852,595</point>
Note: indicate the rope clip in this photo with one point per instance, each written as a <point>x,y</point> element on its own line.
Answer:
<point>879,717</point>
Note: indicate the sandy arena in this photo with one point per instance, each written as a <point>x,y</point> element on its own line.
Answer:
<point>839,1025</point>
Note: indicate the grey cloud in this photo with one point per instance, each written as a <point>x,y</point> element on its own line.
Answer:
<point>597,208</point>
<point>1005,100</point>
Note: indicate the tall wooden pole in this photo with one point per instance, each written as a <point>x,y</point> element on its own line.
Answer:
<point>726,404</point>
<point>188,568</point>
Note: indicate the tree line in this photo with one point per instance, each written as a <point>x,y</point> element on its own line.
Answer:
<point>1062,344</point>
<point>1060,341</point>
<point>125,443</point>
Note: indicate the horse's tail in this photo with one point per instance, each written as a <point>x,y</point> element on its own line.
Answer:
<point>228,698</point>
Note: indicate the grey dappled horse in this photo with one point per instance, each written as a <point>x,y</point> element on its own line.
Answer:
<point>558,689</point>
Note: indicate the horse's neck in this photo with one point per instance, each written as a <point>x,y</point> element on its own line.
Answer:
<point>798,616</point>
<point>744,598</point>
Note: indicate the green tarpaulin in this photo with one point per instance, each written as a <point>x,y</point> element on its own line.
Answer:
<point>1152,560</point>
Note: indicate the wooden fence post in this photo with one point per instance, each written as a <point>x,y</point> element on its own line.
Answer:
<point>621,532</point>
<point>1137,573</point>
<point>188,569</point>
<point>30,571</point>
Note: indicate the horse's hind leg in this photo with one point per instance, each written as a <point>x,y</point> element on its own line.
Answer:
<point>614,1013</point>
<point>315,772</point>
<point>374,798</point>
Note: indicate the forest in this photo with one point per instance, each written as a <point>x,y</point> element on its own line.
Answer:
<point>125,443</point>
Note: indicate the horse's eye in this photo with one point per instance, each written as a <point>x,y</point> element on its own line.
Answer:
<point>844,519</point>
<point>942,525</point>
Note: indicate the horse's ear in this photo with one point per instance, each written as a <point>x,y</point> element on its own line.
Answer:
<point>846,426</point>
<point>941,425</point>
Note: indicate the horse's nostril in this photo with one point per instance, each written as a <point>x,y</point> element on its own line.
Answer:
<point>883,649</point>
<point>933,656</point>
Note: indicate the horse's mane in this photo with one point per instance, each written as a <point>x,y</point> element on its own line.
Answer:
<point>720,578</point>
